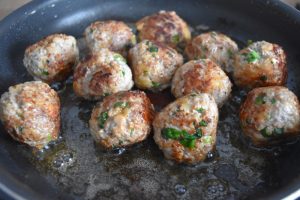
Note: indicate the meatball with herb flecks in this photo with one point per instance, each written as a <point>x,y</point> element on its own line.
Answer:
<point>122,119</point>
<point>270,114</point>
<point>215,46</point>
<point>30,112</point>
<point>202,76</point>
<point>52,59</point>
<point>185,130</point>
<point>114,35</point>
<point>165,27</point>
<point>153,64</point>
<point>260,64</point>
<point>102,74</point>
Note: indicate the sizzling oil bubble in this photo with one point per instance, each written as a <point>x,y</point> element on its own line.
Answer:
<point>215,189</point>
<point>63,160</point>
<point>118,151</point>
<point>180,189</point>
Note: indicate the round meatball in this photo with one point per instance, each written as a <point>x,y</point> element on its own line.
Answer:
<point>102,74</point>
<point>260,64</point>
<point>114,35</point>
<point>153,64</point>
<point>30,112</point>
<point>51,59</point>
<point>202,76</point>
<point>215,46</point>
<point>164,27</point>
<point>270,114</point>
<point>185,130</point>
<point>122,119</point>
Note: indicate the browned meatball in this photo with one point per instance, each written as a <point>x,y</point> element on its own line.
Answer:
<point>114,35</point>
<point>185,130</point>
<point>30,113</point>
<point>165,27</point>
<point>153,64</point>
<point>122,119</point>
<point>270,114</point>
<point>102,74</point>
<point>52,59</point>
<point>260,64</point>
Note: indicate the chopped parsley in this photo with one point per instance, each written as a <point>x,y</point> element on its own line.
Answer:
<point>200,110</point>
<point>121,104</point>
<point>273,100</point>
<point>230,53</point>
<point>276,132</point>
<point>155,84</point>
<point>203,123</point>
<point>119,58</point>
<point>175,39</point>
<point>259,100</point>
<point>263,78</point>
<point>153,49</point>
<point>207,139</point>
<point>45,73</point>
<point>252,56</point>
<point>49,137</point>
<point>106,94</point>
<point>102,119</point>
<point>186,139</point>
<point>123,73</point>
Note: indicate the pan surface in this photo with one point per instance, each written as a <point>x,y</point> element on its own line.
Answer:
<point>75,168</point>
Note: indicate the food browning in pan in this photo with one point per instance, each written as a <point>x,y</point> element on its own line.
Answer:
<point>30,113</point>
<point>270,114</point>
<point>165,27</point>
<point>202,76</point>
<point>153,64</point>
<point>122,119</point>
<point>215,46</point>
<point>51,59</point>
<point>114,35</point>
<point>260,64</point>
<point>102,74</point>
<point>185,130</point>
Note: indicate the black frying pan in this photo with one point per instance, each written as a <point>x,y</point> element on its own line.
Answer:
<point>236,171</point>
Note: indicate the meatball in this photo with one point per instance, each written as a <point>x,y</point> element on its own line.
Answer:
<point>270,114</point>
<point>114,35</point>
<point>30,112</point>
<point>51,59</point>
<point>102,74</point>
<point>215,46</point>
<point>185,130</point>
<point>164,27</point>
<point>122,119</point>
<point>260,64</point>
<point>153,64</point>
<point>201,76</point>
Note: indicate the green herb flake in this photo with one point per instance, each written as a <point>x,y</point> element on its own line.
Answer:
<point>172,133</point>
<point>175,39</point>
<point>123,73</point>
<point>278,131</point>
<point>155,84</point>
<point>200,110</point>
<point>102,119</point>
<point>119,58</point>
<point>187,142</point>
<point>259,100</point>
<point>263,78</point>
<point>203,123</point>
<point>230,53</point>
<point>198,133</point>
<point>49,137</point>
<point>131,131</point>
<point>45,73</point>
<point>106,94</point>
<point>121,104</point>
<point>273,100</point>
<point>20,129</point>
<point>265,132</point>
<point>153,49</point>
<point>207,140</point>
<point>252,56</point>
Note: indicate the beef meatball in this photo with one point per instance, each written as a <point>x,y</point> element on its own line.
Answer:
<point>114,35</point>
<point>201,76</point>
<point>215,46</point>
<point>185,130</point>
<point>270,114</point>
<point>122,119</point>
<point>51,59</point>
<point>30,112</point>
<point>164,27</point>
<point>260,64</point>
<point>102,74</point>
<point>153,64</point>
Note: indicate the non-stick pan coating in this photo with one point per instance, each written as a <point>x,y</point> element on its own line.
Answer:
<point>76,168</point>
